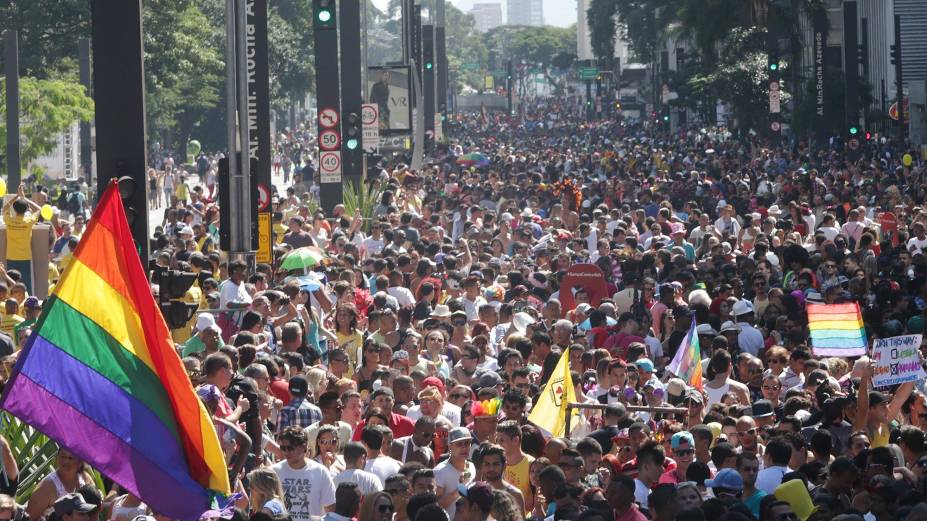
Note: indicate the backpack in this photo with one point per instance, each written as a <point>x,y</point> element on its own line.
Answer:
<point>75,207</point>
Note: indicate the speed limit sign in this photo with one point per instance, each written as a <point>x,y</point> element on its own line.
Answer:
<point>329,140</point>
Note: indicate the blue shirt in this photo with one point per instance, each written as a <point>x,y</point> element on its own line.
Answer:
<point>300,412</point>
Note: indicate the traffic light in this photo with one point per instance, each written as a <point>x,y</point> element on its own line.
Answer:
<point>854,130</point>
<point>617,105</point>
<point>352,131</point>
<point>896,56</point>
<point>773,66</point>
<point>868,135</point>
<point>127,186</point>
<point>173,286</point>
<point>324,14</point>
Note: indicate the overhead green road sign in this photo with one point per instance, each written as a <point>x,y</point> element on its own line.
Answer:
<point>470,66</point>
<point>588,73</point>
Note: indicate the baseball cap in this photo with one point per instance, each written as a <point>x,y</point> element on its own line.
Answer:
<point>32,303</point>
<point>726,478</point>
<point>762,409</point>
<point>204,321</point>
<point>299,386</point>
<point>644,364</point>
<point>489,379</point>
<point>458,434</point>
<point>70,503</point>
<point>479,493</point>
<point>680,438</point>
<point>742,307</point>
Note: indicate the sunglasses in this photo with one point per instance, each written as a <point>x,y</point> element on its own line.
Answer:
<point>383,509</point>
<point>288,448</point>
<point>771,387</point>
<point>394,491</point>
<point>681,453</point>
<point>457,396</point>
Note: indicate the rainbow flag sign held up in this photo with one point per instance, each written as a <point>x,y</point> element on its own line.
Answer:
<point>837,329</point>
<point>687,364</point>
<point>100,376</point>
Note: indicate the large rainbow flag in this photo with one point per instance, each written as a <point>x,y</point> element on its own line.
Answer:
<point>837,329</point>
<point>100,376</point>
<point>687,363</point>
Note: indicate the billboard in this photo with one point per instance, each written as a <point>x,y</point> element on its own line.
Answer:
<point>389,87</point>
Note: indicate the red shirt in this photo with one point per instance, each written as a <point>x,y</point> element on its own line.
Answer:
<point>633,514</point>
<point>400,425</point>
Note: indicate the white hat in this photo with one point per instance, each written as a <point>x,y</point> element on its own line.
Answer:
<point>205,321</point>
<point>705,329</point>
<point>742,307</point>
<point>441,311</point>
<point>186,230</point>
<point>774,211</point>
<point>521,320</point>
<point>527,213</point>
<point>729,326</point>
<point>583,308</point>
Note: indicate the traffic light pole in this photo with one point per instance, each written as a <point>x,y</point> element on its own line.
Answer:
<point>11,48</point>
<point>328,99</point>
<point>119,98</point>
<point>851,65</point>
<point>899,78</point>
<point>352,153</point>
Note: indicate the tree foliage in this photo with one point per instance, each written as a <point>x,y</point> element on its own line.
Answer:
<point>46,108</point>
<point>601,17</point>
<point>48,34</point>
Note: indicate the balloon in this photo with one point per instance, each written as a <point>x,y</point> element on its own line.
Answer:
<point>47,212</point>
<point>907,160</point>
<point>2,187</point>
<point>194,147</point>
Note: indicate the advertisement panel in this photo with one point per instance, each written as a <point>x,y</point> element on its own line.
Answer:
<point>389,87</point>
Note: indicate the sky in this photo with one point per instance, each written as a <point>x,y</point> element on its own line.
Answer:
<point>556,12</point>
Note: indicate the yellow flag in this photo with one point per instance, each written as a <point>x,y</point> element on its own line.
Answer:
<point>549,413</point>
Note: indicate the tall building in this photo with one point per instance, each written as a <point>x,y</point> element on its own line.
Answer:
<point>584,38</point>
<point>525,12</point>
<point>487,16</point>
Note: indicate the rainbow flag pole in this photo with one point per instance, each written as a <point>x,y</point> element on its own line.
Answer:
<point>837,329</point>
<point>687,364</point>
<point>100,376</point>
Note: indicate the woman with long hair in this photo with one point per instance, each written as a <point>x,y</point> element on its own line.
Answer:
<point>504,507</point>
<point>348,335</point>
<point>325,449</point>
<point>370,367</point>
<point>266,492</point>
<point>70,474</point>
<point>377,507</point>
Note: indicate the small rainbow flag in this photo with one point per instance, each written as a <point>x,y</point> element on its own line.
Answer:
<point>100,376</point>
<point>837,329</point>
<point>687,364</point>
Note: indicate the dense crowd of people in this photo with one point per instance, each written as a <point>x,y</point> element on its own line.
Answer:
<point>392,378</point>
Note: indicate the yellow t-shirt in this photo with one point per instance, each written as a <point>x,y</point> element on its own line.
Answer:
<point>9,322</point>
<point>879,437</point>
<point>19,236</point>
<point>519,476</point>
<point>351,344</point>
<point>192,296</point>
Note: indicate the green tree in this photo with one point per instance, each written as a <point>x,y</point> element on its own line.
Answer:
<point>741,79</point>
<point>48,34</point>
<point>184,70</point>
<point>602,22</point>
<point>291,56</point>
<point>47,108</point>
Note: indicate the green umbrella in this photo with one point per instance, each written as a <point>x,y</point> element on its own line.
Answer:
<point>303,258</point>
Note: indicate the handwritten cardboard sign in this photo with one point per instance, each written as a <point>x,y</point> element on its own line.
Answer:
<point>897,360</point>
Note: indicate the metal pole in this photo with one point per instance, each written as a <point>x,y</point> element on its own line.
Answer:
<point>899,80</point>
<point>231,94</point>
<point>14,168</point>
<point>86,150</point>
<point>242,195</point>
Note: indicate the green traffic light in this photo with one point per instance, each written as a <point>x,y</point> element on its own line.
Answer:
<point>351,144</point>
<point>774,66</point>
<point>325,16</point>
<point>429,65</point>
<point>665,118</point>
<point>854,131</point>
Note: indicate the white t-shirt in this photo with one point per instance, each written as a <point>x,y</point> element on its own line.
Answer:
<point>231,292</point>
<point>405,297</point>
<point>916,245</point>
<point>447,477</point>
<point>448,410</point>
<point>368,482</point>
<point>306,491</point>
<point>641,493</point>
<point>383,467</point>
<point>373,246</point>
